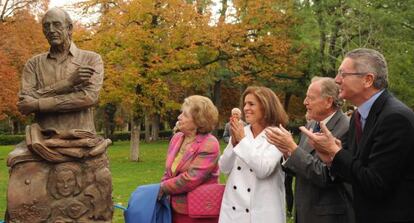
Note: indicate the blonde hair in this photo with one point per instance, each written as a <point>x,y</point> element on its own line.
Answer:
<point>274,113</point>
<point>203,112</point>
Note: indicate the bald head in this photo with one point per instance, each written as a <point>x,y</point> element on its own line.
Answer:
<point>58,12</point>
<point>236,113</point>
<point>57,27</point>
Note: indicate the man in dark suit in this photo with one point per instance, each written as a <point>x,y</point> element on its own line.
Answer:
<point>317,197</point>
<point>377,157</point>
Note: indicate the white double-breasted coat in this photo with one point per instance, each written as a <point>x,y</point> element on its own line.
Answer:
<point>255,191</point>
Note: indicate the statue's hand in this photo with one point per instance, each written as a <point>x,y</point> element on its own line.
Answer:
<point>81,76</point>
<point>27,105</point>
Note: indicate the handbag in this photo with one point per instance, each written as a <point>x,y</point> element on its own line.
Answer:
<point>205,201</point>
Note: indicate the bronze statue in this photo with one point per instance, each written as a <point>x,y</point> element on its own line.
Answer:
<point>60,172</point>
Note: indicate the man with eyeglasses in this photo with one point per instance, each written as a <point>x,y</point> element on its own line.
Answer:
<point>377,157</point>
<point>52,82</point>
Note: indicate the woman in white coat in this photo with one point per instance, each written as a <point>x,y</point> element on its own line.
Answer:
<point>255,191</point>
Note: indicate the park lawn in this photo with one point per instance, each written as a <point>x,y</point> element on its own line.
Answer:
<point>126,175</point>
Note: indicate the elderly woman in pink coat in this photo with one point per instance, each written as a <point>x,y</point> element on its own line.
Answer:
<point>192,156</point>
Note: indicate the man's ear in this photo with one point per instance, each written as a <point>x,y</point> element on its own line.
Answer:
<point>369,80</point>
<point>330,101</point>
<point>70,29</point>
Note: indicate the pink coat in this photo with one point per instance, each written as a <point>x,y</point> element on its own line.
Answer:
<point>198,166</point>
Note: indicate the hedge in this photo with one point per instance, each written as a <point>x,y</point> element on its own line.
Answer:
<point>125,136</point>
<point>11,139</point>
<point>165,134</point>
<point>118,136</point>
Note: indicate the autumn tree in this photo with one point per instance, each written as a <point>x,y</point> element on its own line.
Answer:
<point>153,48</point>
<point>9,87</point>
<point>251,43</point>
<point>20,38</point>
<point>139,42</point>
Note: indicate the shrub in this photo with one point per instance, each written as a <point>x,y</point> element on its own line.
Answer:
<point>126,136</point>
<point>118,136</point>
<point>11,139</point>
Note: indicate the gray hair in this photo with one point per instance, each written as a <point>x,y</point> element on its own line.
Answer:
<point>371,61</point>
<point>329,89</point>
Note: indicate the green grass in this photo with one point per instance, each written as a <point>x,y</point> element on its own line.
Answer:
<point>126,175</point>
<point>4,176</point>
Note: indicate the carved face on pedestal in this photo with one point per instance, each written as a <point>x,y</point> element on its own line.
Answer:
<point>66,183</point>
<point>65,180</point>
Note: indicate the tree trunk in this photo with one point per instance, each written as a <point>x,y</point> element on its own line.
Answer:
<point>135,132</point>
<point>155,129</point>
<point>288,95</point>
<point>20,127</point>
<point>126,127</point>
<point>109,120</point>
<point>222,18</point>
<point>11,126</point>
<point>147,129</point>
<point>217,94</point>
<point>322,33</point>
<point>335,49</point>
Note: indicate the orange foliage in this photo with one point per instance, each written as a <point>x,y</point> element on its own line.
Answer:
<point>8,86</point>
<point>158,52</point>
<point>20,38</point>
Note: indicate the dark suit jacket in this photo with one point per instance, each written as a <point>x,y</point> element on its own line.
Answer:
<point>381,167</point>
<point>317,198</point>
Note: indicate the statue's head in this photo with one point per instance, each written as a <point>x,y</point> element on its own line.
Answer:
<point>57,27</point>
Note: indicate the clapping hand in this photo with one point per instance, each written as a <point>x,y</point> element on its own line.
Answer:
<point>282,139</point>
<point>325,144</point>
<point>236,131</point>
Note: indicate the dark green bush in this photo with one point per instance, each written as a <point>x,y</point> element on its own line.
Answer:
<point>118,136</point>
<point>125,136</point>
<point>11,139</point>
<point>121,136</point>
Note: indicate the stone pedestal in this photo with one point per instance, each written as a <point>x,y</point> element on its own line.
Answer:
<point>77,188</point>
